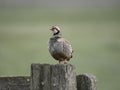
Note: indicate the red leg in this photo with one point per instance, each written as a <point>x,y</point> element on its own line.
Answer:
<point>65,62</point>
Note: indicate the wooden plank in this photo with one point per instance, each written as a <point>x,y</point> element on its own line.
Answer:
<point>40,79</point>
<point>86,82</point>
<point>15,83</point>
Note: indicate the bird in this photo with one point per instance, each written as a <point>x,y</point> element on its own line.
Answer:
<point>59,48</point>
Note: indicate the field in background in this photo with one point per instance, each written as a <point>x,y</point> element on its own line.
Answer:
<point>94,35</point>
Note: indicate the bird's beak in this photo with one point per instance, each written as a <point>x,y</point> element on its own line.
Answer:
<point>51,29</point>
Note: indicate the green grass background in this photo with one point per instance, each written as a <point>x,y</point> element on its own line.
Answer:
<point>93,34</point>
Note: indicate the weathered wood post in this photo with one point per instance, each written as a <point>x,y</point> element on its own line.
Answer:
<point>53,77</point>
<point>50,77</point>
<point>86,82</point>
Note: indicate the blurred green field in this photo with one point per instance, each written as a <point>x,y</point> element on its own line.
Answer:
<point>94,35</point>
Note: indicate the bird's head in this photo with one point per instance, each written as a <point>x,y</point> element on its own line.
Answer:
<point>55,30</point>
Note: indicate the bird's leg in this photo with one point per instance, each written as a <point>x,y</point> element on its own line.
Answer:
<point>65,61</point>
<point>59,61</point>
<point>62,62</point>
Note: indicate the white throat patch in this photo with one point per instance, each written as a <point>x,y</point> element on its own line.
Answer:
<point>55,31</point>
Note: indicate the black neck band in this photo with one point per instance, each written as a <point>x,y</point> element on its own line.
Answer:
<point>56,33</point>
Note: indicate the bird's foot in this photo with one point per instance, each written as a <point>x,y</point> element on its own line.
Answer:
<point>63,62</point>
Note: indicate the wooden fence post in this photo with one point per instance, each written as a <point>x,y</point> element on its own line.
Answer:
<point>86,82</point>
<point>53,77</point>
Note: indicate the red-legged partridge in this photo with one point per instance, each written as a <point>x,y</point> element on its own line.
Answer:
<point>59,48</point>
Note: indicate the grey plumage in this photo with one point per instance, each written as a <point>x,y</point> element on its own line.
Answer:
<point>59,48</point>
